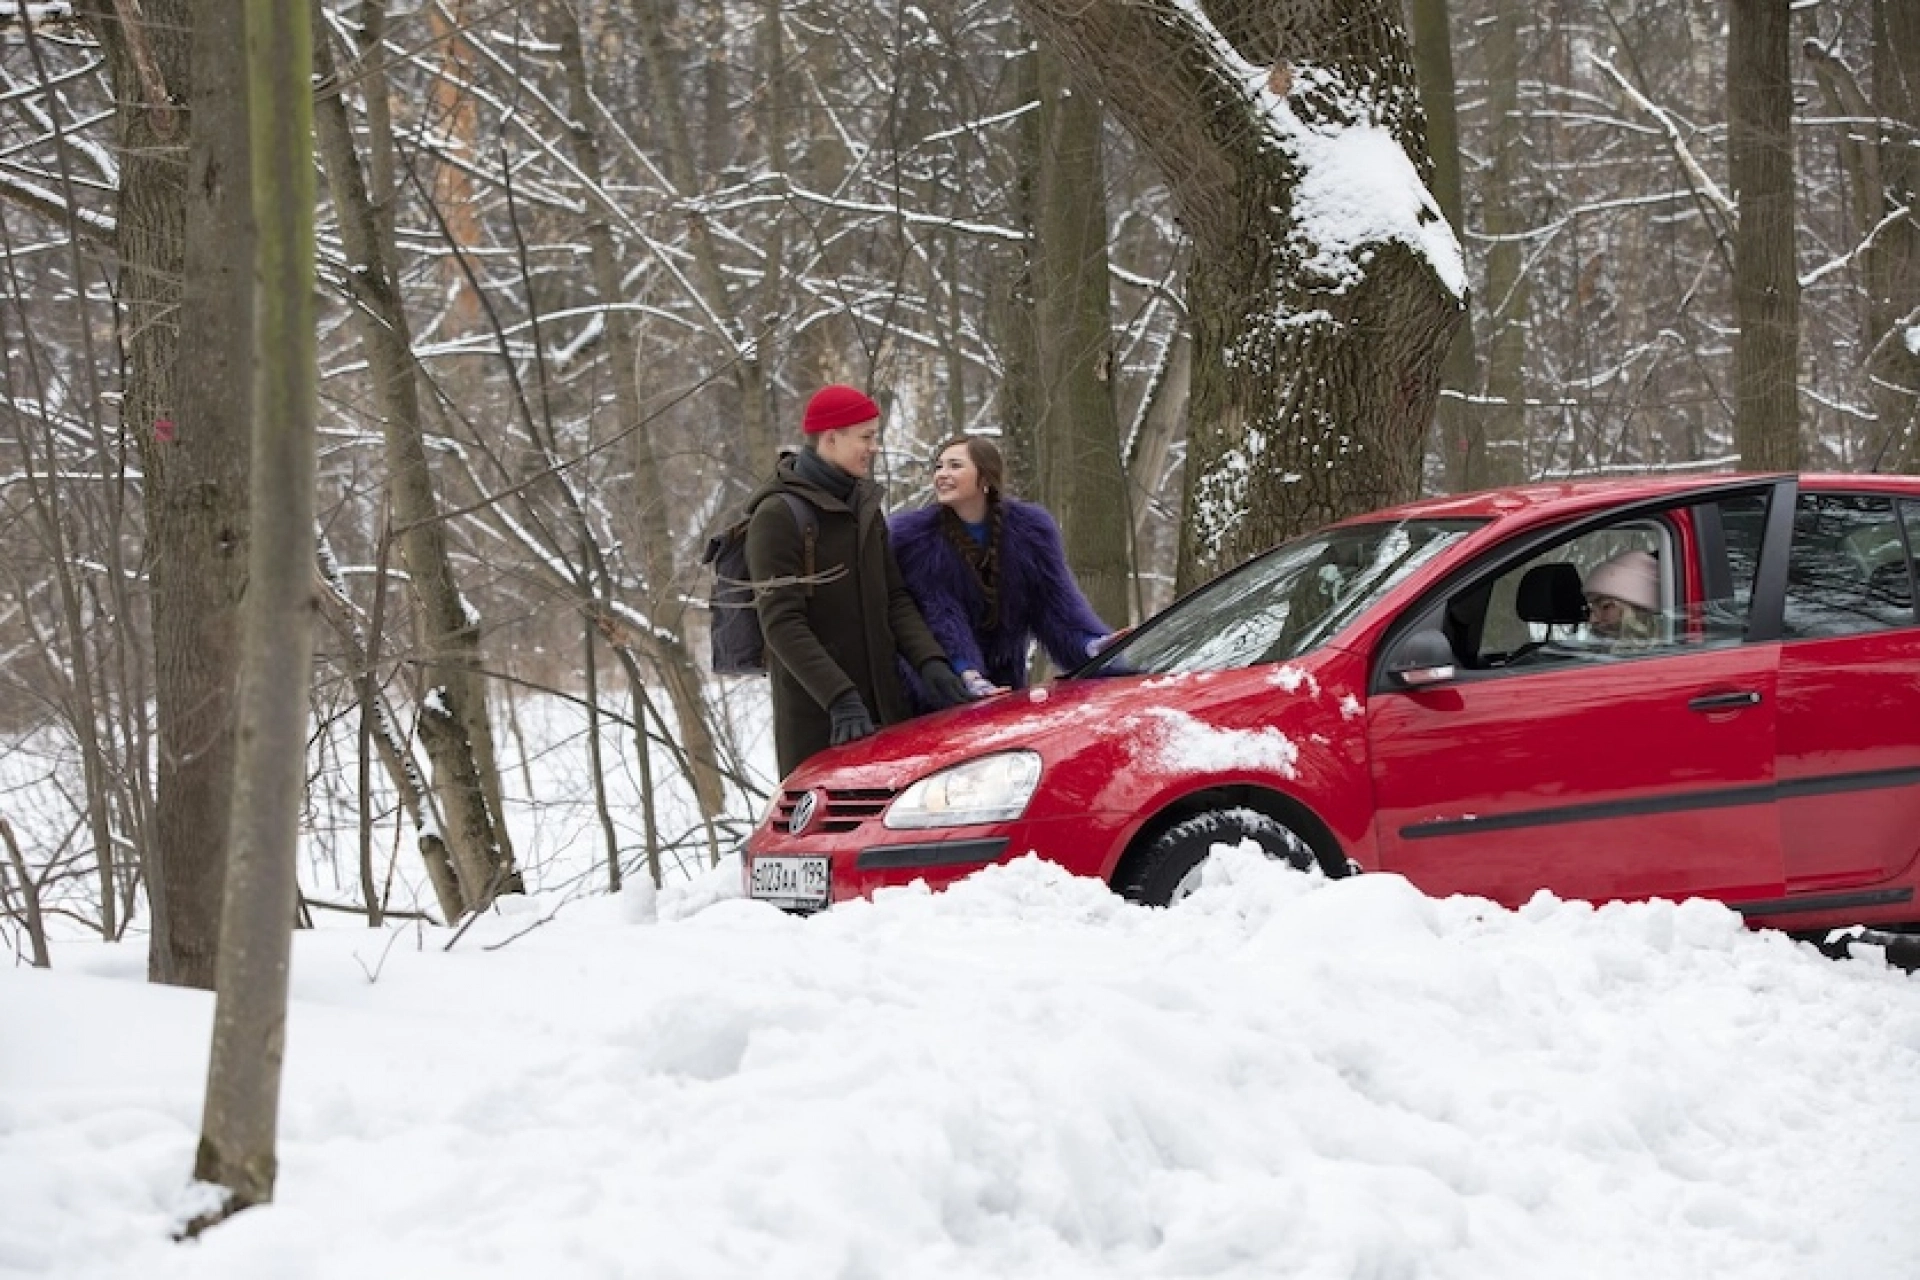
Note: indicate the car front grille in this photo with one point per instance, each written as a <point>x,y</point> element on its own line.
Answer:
<point>838,811</point>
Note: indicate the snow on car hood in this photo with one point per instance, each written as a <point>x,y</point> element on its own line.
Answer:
<point>1184,743</point>
<point>1187,723</point>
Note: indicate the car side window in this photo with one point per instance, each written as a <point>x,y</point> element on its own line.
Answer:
<point>1849,570</point>
<point>1679,580</point>
<point>1608,593</point>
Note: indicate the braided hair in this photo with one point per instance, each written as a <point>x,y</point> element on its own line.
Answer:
<point>983,562</point>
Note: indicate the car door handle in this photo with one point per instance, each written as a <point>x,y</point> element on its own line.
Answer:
<point>1725,701</point>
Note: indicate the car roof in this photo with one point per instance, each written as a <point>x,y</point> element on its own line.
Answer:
<point>1550,498</point>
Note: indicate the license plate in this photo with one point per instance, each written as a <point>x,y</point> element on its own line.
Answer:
<point>790,882</point>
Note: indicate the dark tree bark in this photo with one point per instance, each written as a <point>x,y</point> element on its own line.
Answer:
<point>1077,432</point>
<point>1019,396</point>
<point>1766,288</point>
<point>1498,454</point>
<point>1460,432</point>
<point>198,517</point>
<point>1317,360</point>
<point>186,295</point>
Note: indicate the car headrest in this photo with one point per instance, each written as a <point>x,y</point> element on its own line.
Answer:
<point>1550,593</point>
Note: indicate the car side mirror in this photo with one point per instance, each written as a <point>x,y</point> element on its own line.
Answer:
<point>1422,660</point>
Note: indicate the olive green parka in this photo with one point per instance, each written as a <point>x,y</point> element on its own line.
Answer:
<point>842,630</point>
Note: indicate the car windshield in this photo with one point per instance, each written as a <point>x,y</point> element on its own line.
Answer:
<point>1284,603</point>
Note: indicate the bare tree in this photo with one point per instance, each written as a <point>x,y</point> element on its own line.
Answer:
<point>197,514</point>
<point>16,875</point>
<point>1076,432</point>
<point>455,727</point>
<point>240,1119</point>
<point>380,736</point>
<point>1460,434</point>
<point>1766,287</point>
<point>73,678</point>
<point>1497,448</point>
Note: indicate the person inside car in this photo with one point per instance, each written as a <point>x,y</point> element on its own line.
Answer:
<point>1623,601</point>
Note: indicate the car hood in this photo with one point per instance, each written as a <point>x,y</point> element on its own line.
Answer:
<point>1241,713</point>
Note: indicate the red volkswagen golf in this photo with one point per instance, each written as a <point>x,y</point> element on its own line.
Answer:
<point>1703,687</point>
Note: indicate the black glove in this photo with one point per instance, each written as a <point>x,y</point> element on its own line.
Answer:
<point>850,718</point>
<point>945,688</point>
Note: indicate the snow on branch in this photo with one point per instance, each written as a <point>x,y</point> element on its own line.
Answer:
<point>1840,263</point>
<point>1703,182</point>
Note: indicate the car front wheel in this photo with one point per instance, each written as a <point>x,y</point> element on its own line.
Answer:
<point>1168,869</point>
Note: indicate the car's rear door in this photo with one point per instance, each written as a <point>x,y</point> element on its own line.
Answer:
<point>1849,725</point>
<point>1591,773</point>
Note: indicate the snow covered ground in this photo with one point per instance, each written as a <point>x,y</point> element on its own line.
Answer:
<point>1024,1076</point>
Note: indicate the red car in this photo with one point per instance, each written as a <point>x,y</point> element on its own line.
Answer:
<point>1701,687</point>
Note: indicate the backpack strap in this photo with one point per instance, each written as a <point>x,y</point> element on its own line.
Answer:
<point>809,521</point>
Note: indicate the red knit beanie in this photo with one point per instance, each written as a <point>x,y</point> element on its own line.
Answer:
<point>836,406</point>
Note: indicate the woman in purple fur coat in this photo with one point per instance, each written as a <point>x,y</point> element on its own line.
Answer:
<point>990,575</point>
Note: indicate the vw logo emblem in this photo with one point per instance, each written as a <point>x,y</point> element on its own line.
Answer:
<point>802,812</point>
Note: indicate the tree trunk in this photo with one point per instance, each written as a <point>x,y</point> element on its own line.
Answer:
<point>29,908</point>
<point>1498,454</point>
<point>1020,397</point>
<point>1077,433</point>
<point>1893,260</point>
<point>197,513</point>
<point>1317,353</point>
<point>454,725</point>
<point>240,1118</point>
<point>181,207</point>
<point>596,768</point>
<point>1459,429</point>
<point>1766,288</point>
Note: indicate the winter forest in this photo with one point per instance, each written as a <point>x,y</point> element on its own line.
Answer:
<point>578,266</point>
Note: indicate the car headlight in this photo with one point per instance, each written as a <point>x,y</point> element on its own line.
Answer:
<point>993,788</point>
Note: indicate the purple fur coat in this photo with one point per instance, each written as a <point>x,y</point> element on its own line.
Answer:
<point>1038,596</point>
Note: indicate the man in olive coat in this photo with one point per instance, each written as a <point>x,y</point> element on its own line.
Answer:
<point>832,629</point>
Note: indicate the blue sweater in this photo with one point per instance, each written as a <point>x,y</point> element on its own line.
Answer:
<point>1038,596</point>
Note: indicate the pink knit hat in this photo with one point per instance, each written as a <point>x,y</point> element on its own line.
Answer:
<point>1632,576</point>
<point>836,406</point>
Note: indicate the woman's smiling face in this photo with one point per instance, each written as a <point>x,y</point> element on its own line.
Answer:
<point>955,478</point>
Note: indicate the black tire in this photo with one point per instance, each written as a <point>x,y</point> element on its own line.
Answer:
<point>1165,871</point>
